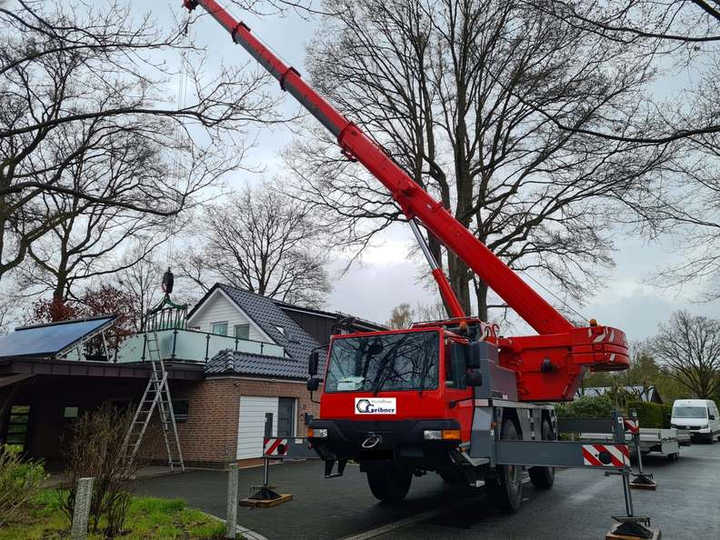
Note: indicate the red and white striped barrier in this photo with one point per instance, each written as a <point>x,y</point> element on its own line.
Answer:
<point>606,455</point>
<point>274,446</point>
<point>633,426</point>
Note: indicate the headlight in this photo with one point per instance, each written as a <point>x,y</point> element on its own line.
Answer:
<point>441,434</point>
<point>704,427</point>
<point>318,433</point>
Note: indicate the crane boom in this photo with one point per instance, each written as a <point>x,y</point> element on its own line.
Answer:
<point>549,366</point>
<point>414,201</point>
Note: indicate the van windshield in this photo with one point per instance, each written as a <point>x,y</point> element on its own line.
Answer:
<point>689,412</point>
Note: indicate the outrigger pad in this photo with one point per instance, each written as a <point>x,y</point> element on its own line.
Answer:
<point>266,503</point>
<point>632,528</point>
<point>264,493</point>
<point>643,481</point>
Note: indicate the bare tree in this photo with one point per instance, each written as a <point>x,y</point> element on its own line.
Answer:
<point>671,35</point>
<point>88,245</point>
<point>85,88</point>
<point>450,88</point>
<point>141,279</point>
<point>264,242</point>
<point>689,346</point>
<point>401,316</point>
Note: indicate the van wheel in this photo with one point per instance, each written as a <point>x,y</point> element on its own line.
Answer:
<point>389,483</point>
<point>505,489</point>
<point>544,477</point>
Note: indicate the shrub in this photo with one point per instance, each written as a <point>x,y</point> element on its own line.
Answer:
<point>19,482</point>
<point>95,449</point>
<point>650,415</point>
<point>587,406</point>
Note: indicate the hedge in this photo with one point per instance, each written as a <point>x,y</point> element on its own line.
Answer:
<point>592,406</point>
<point>651,415</point>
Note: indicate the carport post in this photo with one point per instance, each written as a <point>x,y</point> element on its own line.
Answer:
<point>81,514</point>
<point>232,502</point>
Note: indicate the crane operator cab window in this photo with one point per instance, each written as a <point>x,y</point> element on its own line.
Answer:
<point>384,362</point>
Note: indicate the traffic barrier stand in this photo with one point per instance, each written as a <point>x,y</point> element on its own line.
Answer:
<point>609,453</point>
<point>641,480</point>
<point>629,526</point>
<point>265,496</point>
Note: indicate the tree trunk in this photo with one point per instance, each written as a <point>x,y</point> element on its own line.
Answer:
<point>458,276</point>
<point>481,291</point>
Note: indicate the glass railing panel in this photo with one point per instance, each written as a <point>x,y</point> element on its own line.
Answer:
<point>193,346</point>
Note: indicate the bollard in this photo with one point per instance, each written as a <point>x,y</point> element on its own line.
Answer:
<point>232,502</point>
<point>81,514</point>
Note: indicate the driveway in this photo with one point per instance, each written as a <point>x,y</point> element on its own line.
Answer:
<point>580,504</point>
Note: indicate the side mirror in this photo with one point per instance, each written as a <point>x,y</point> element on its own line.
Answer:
<point>712,417</point>
<point>473,377</point>
<point>313,363</point>
<point>313,383</point>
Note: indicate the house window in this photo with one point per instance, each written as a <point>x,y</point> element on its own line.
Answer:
<point>17,427</point>
<point>220,328</point>
<point>181,408</point>
<point>242,331</point>
<point>70,412</point>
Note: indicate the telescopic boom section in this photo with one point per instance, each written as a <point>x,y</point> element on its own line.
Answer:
<point>417,203</point>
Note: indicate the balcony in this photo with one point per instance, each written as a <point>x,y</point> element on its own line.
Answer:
<point>193,346</point>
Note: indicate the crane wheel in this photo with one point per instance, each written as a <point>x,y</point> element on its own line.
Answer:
<point>505,489</point>
<point>389,483</point>
<point>544,477</point>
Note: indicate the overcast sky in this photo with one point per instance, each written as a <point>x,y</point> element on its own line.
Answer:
<point>629,298</point>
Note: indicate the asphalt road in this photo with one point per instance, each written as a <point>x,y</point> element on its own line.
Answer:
<point>686,504</point>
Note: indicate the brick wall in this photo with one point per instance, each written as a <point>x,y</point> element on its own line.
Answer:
<point>209,436</point>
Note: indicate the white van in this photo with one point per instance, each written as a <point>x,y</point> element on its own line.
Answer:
<point>699,416</point>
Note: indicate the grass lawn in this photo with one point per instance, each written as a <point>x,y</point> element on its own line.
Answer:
<point>147,518</point>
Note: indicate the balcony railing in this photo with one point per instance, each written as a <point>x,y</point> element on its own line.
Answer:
<point>193,346</point>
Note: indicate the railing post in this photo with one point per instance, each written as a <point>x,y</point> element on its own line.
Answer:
<point>142,358</point>
<point>262,347</point>
<point>237,339</point>
<point>175,333</point>
<point>207,346</point>
<point>232,502</point>
<point>81,513</point>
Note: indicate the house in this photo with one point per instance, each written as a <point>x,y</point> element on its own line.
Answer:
<point>237,364</point>
<point>642,393</point>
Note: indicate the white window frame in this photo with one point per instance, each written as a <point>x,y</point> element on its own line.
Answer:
<point>235,330</point>
<point>212,327</point>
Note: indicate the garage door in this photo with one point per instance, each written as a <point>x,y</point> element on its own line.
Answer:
<point>254,411</point>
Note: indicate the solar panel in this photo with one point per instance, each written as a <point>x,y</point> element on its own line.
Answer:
<point>50,340</point>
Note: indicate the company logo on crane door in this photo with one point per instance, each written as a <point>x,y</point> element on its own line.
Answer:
<point>375,405</point>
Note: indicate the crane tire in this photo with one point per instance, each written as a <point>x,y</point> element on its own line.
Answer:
<point>505,489</point>
<point>389,483</point>
<point>544,477</point>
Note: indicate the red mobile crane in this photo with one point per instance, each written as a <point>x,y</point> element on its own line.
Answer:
<point>448,396</point>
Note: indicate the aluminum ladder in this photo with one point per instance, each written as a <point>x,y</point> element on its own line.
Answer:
<point>157,394</point>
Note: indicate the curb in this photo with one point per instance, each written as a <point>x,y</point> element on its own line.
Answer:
<point>247,533</point>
